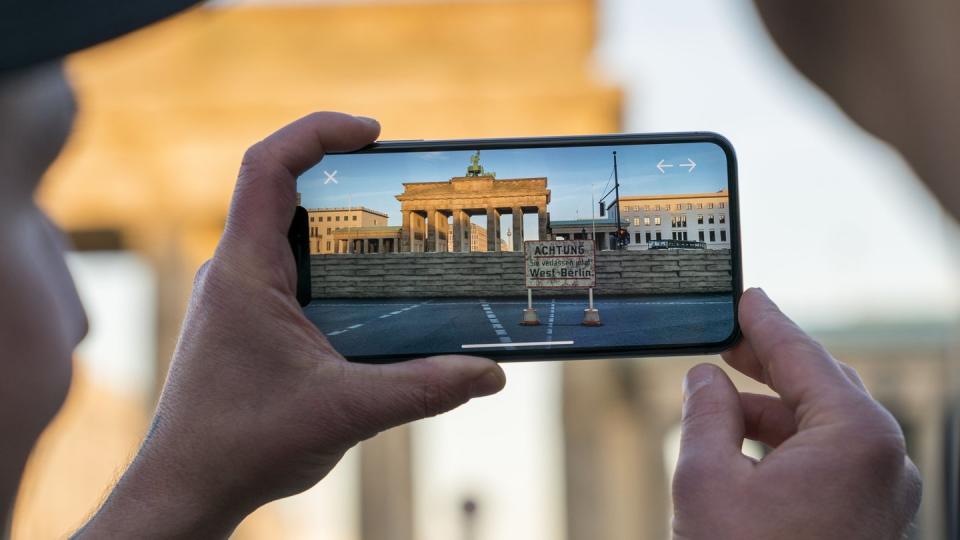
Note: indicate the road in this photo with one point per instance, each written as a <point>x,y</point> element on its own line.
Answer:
<point>375,327</point>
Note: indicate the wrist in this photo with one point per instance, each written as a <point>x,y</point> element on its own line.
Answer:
<point>158,497</point>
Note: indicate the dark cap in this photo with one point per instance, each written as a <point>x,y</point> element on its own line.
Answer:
<point>36,31</point>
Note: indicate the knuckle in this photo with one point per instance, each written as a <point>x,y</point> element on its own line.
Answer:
<point>201,274</point>
<point>253,155</point>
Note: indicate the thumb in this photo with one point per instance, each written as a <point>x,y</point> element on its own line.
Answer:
<point>408,391</point>
<point>711,435</point>
<point>712,427</point>
<point>265,195</point>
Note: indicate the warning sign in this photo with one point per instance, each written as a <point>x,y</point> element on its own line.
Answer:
<point>564,264</point>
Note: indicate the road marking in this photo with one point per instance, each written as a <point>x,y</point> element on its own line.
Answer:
<point>550,318</point>
<point>384,316</point>
<point>514,344</point>
<point>495,322</point>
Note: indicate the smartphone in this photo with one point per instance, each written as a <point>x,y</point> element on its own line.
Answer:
<point>521,249</point>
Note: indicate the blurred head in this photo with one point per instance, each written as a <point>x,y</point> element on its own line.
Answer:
<point>891,66</point>
<point>41,319</point>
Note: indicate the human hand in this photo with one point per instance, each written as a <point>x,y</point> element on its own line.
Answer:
<point>838,468</point>
<point>257,404</point>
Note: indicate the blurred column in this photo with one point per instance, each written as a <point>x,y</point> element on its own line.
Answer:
<point>543,224</point>
<point>431,230</point>
<point>517,228</point>
<point>493,229</point>
<point>405,231</point>
<point>616,479</point>
<point>458,230</point>
<point>386,486</point>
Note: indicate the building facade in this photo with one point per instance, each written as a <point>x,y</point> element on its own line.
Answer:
<point>324,222</point>
<point>601,230</point>
<point>700,220</point>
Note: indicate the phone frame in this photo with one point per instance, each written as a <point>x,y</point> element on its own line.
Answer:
<point>298,235</point>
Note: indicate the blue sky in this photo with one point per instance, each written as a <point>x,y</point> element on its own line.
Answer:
<point>373,180</point>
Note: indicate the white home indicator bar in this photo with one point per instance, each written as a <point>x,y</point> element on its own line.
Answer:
<point>521,344</point>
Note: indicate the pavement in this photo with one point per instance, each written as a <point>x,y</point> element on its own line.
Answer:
<point>401,326</point>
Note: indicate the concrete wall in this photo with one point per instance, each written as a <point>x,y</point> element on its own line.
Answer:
<point>397,275</point>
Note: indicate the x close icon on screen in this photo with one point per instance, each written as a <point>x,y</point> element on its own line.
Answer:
<point>331,177</point>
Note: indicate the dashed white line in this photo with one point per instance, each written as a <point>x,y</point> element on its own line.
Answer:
<point>495,323</point>
<point>550,319</point>
<point>384,316</point>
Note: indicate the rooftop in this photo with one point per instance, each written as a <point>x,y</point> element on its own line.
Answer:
<point>348,209</point>
<point>608,220</point>
<point>723,193</point>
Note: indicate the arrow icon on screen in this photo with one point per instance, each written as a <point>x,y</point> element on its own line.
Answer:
<point>691,164</point>
<point>663,166</point>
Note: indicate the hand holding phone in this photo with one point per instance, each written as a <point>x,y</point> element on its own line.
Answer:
<point>257,404</point>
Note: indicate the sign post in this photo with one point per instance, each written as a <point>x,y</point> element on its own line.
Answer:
<point>560,264</point>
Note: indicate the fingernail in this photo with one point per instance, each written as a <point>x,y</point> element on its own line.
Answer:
<point>697,378</point>
<point>368,120</point>
<point>490,382</point>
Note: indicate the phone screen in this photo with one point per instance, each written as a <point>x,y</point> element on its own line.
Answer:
<point>524,248</point>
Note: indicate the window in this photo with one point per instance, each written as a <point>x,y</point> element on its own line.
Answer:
<point>648,237</point>
<point>338,218</point>
<point>723,236</point>
<point>723,205</point>
<point>710,206</point>
<point>646,208</point>
<point>723,218</point>
<point>684,233</point>
<point>636,238</point>
<point>710,221</point>
<point>354,218</point>
<point>646,221</point>
<point>700,219</point>
<point>311,219</point>
<point>679,206</point>
<point>689,206</point>
<point>328,230</point>
<point>701,236</point>
<point>328,245</point>
<point>657,208</point>
<point>658,236</point>
<point>636,221</point>
<point>679,220</point>
<point>328,218</point>
<point>713,236</point>
<point>700,206</point>
<point>656,220</point>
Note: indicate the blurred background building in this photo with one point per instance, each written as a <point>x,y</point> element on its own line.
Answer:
<point>835,227</point>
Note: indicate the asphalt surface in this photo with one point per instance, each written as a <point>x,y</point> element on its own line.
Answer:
<point>375,327</point>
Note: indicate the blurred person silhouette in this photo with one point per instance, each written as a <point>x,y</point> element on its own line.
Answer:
<point>258,406</point>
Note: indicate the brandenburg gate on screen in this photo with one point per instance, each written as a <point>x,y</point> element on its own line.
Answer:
<point>426,208</point>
